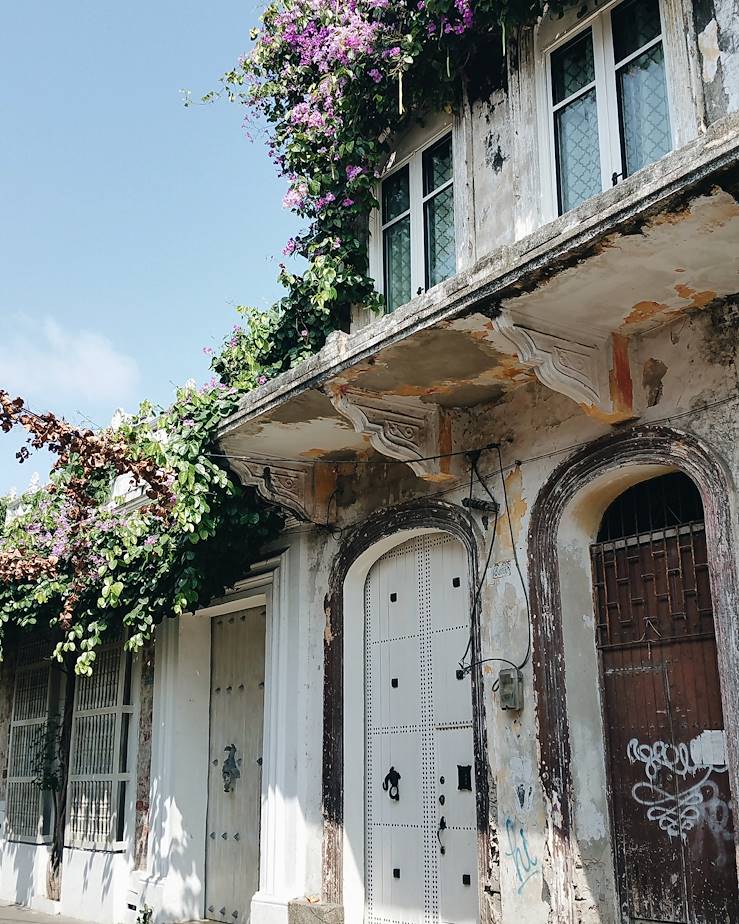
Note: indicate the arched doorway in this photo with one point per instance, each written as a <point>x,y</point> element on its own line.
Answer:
<point>419,779</point>
<point>672,823</point>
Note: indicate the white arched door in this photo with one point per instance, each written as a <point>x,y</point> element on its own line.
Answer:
<point>420,818</point>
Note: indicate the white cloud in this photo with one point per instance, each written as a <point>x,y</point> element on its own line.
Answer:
<point>48,364</point>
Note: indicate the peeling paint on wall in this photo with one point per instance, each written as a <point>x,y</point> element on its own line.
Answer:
<point>708,45</point>
<point>652,376</point>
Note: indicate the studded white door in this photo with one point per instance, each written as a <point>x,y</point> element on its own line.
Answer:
<point>420,822</point>
<point>234,779</point>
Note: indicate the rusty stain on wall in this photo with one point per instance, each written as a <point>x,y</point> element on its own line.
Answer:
<point>512,521</point>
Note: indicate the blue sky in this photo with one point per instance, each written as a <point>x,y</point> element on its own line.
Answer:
<point>131,225</point>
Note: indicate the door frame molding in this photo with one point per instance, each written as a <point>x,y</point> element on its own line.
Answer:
<point>361,548</point>
<point>640,446</point>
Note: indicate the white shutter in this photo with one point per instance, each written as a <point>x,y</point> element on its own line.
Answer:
<point>27,814</point>
<point>99,768</point>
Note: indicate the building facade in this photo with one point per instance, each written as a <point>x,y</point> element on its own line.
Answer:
<point>490,670</point>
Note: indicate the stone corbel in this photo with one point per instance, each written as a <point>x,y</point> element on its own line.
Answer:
<point>401,428</point>
<point>574,366</point>
<point>287,484</point>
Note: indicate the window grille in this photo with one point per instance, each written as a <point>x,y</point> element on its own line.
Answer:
<point>609,111</point>
<point>99,778</point>
<point>417,223</point>
<point>28,810</point>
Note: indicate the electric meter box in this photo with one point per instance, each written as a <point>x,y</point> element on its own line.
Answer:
<point>510,689</point>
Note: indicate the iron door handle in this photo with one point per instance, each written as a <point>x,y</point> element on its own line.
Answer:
<point>442,827</point>
<point>230,769</point>
<point>390,784</point>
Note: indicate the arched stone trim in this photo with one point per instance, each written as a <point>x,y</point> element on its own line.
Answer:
<point>399,523</point>
<point>643,445</point>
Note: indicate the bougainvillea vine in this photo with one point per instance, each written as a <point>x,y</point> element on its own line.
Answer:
<point>334,81</point>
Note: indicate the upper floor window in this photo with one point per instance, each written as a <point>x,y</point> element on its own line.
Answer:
<point>417,224</point>
<point>609,112</point>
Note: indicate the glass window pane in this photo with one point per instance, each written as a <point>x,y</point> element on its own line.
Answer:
<point>437,165</point>
<point>441,258</point>
<point>397,256</point>
<point>634,23</point>
<point>395,195</point>
<point>573,66</point>
<point>645,119</point>
<point>578,155</point>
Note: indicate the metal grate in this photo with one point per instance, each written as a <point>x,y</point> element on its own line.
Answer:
<point>90,811</point>
<point>99,766</point>
<point>650,566</point>
<point>31,693</point>
<point>100,691</point>
<point>25,815</point>
<point>660,503</point>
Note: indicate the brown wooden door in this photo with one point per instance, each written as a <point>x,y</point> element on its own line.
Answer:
<point>671,805</point>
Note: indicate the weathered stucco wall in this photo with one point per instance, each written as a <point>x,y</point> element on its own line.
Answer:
<point>717,27</point>
<point>678,373</point>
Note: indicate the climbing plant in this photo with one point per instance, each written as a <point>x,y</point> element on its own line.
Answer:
<point>79,560</point>
<point>333,81</point>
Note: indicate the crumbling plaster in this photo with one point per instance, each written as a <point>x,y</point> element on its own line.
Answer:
<point>540,428</point>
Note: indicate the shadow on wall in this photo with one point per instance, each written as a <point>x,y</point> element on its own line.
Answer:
<point>182,897</point>
<point>23,870</point>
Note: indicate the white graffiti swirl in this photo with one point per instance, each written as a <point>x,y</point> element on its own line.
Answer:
<point>678,812</point>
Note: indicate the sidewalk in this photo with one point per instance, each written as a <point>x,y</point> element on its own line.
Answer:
<point>10,914</point>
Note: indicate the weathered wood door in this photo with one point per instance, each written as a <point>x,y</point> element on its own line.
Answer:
<point>672,818</point>
<point>235,778</point>
<point>421,831</point>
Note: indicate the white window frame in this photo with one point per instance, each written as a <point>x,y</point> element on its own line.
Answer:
<point>598,21</point>
<point>414,161</point>
<point>117,776</point>
<point>13,779</point>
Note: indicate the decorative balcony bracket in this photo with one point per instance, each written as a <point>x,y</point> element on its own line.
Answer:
<point>575,366</point>
<point>401,428</point>
<point>287,484</point>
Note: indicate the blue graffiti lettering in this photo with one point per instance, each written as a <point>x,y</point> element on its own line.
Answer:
<point>525,864</point>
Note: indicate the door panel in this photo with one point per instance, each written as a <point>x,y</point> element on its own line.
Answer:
<point>421,848</point>
<point>671,803</point>
<point>236,719</point>
<point>395,667</point>
<point>452,697</point>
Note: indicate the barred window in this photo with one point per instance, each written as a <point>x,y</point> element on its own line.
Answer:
<point>99,771</point>
<point>29,809</point>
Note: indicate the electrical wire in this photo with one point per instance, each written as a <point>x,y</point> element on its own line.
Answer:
<point>515,559</point>
<point>481,583</point>
<point>267,460</point>
<point>466,668</point>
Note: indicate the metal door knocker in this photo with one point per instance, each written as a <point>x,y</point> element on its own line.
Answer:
<point>391,784</point>
<point>230,769</point>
